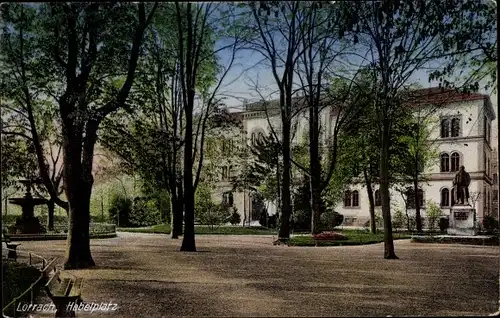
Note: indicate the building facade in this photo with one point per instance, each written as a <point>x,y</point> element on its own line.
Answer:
<point>462,135</point>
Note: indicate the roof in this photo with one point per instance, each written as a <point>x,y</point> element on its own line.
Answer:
<point>437,96</point>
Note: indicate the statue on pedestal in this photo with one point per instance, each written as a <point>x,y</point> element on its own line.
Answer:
<point>461,185</point>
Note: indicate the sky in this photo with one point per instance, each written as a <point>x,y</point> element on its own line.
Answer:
<point>249,69</point>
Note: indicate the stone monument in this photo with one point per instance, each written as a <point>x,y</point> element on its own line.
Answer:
<point>462,214</point>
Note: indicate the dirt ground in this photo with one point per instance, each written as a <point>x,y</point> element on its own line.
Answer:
<point>146,276</point>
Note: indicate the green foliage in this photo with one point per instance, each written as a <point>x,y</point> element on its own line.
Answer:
<point>235,217</point>
<point>434,213</point>
<point>354,237</point>
<point>120,209</point>
<point>490,224</point>
<point>17,277</point>
<point>259,175</point>
<point>379,219</point>
<point>144,213</point>
<point>301,219</point>
<point>398,219</point>
<point>330,220</point>
<point>207,211</point>
<point>444,223</point>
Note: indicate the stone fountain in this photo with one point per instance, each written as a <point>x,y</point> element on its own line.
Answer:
<point>27,223</point>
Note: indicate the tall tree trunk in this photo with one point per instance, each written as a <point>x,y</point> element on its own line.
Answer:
<point>174,208</point>
<point>180,208</point>
<point>389,252</point>
<point>188,242</point>
<point>78,180</point>
<point>315,169</point>
<point>371,199</point>
<point>78,191</point>
<point>50,217</point>
<point>418,219</point>
<point>286,208</point>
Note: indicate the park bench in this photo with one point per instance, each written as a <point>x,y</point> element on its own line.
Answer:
<point>11,246</point>
<point>65,292</point>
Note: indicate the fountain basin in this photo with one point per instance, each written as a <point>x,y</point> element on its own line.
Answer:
<point>28,201</point>
<point>27,223</point>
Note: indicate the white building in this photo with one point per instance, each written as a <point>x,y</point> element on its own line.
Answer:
<point>463,137</point>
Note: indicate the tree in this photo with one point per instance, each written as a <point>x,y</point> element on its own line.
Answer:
<point>261,174</point>
<point>396,38</point>
<point>474,41</point>
<point>194,24</point>
<point>420,150</point>
<point>83,57</point>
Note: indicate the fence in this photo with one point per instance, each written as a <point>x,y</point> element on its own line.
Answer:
<point>95,230</point>
<point>15,301</point>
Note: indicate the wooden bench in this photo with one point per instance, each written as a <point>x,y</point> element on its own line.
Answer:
<point>65,293</point>
<point>49,267</point>
<point>11,247</point>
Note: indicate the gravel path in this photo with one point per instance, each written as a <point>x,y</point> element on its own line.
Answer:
<point>146,276</point>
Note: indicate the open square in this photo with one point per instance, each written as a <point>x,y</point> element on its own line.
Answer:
<point>247,276</point>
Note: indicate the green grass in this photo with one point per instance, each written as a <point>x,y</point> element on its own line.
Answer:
<point>17,277</point>
<point>355,237</point>
<point>202,229</point>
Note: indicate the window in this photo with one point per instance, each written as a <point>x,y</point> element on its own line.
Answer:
<point>495,195</point>
<point>455,127</point>
<point>254,139</point>
<point>495,178</point>
<point>225,173</point>
<point>484,154</point>
<point>455,161</point>
<point>485,203</point>
<point>421,197</point>
<point>489,201</point>
<point>445,162</point>
<point>410,198</point>
<point>261,137</point>
<point>351,198</point>
<point>445,197</point>
<point>355,198</point>
<point>378,200</point>
<point>227,198</point>
<point>489,132</point>
<point>347,198</point>
<point>445,128</point>
<point>485,125</point>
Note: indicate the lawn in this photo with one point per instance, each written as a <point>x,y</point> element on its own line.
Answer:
<point>203,229</point>
<point>355,237</point>
<point>19,277</point>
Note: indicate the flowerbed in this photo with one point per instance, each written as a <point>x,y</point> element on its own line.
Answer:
<point>329,236</point>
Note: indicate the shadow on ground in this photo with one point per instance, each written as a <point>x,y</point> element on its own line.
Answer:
<point>147,276</point>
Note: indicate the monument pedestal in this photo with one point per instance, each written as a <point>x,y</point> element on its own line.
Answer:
<point>462,220</point>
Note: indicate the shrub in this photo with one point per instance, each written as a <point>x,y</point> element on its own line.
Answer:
<point>434,213</point>
<point>490,224</point>
<point>235,217</point>
<point>120,209</point>
<point>301,220</point>
<point>379,219</point>
<point>330,236</point>
<point>331,219</point>
<point>273,221</point>
<point>444,223</point>
<point>398,219</point>
<point>216,215</point>
<point>263,218</point>
<point>144,213</point>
